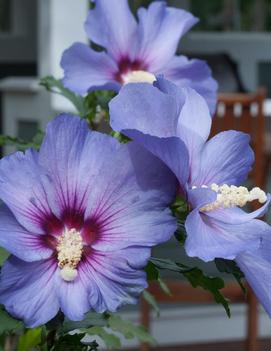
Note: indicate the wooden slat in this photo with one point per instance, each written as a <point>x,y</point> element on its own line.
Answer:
<point>182,292</point>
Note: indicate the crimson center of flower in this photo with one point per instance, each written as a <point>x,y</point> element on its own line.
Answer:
<point>69,253</point>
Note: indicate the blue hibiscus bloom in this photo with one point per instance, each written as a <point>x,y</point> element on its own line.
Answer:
<point>79,218</point>
<point>174,124</point>
<point>135,51</point>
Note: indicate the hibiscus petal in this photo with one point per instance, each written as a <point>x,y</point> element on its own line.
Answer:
<point>145,108</point>
<point>25,187</point>
<point>73,296</point>
<point>27,290</point>
<point>161,24</point>
<point>257,272</point>
<point>86,70</point>
<point>195,74</point>
<point>21,243</point>
<point>227,158</point>
<point>208,238</point>
<point>128,204</point>
<point>63,154</point>
<point>171,151</point>
<point>116,278</point>
<point>194,125</point>
<point>112,25</point>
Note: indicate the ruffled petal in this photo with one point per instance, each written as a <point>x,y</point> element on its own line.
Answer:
<point>27,290</point>
<point>73,296</point>
<point>115,278</point>
<point>128,204</point>
<point>227,158</point>
<point>166,149</point>
<point>86,70</point>
<point>194,125</point>
<point>63,154</point>
<point>112,25</point>
<point>257,272</point>
<point>19,242</point>
<point>160,29</point>
<point>208,238</point>
<point>191,117</point>
<point>25,187</point>
<point>98,186</point>
<point>145,108</point>
<point>195,74</point>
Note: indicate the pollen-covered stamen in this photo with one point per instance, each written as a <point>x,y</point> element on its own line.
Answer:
<point>138,77</point>
<point>69,253</point>
<point>232,196</point>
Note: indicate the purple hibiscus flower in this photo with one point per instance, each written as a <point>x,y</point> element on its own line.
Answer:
<point>256,265</point>
<point>135,51</point>
<point>174,124</point>
<point>79,218</point>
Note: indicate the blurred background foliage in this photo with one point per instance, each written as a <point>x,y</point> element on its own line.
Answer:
<point>221,15</point>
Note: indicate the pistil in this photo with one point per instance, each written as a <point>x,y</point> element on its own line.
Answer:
<point>69,253</point>
<point>232,196</point>
<point>138,77</point>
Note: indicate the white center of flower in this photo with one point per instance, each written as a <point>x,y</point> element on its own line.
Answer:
<point>232,196</point>
<point>69,253</point>
<point>138,77</point>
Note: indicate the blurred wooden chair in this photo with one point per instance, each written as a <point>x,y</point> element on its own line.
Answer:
<point>243,112</point>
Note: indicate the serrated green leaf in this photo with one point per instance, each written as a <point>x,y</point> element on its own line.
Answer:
<point>197,278</point>
<point>30,339</point>
<point>230,267</point>
<point>151,301</point>
<point>7,323</point>
<point>212,284</point>
<point>73,342</point>
<point>109,339</point>
<point>152,271</point>
<point>55,86</point>
<point>130,330</point>
<point>170,265</point>
<point>91,319</point>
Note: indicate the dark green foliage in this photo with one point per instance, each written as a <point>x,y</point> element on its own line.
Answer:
<point>230,267</point>
<point>195,276</point>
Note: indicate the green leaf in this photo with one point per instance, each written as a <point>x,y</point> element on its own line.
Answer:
<point>20,144</point>
<point>55,86</point>
<point>180,208</point>
<point>30,339</point>
<point>3,256</point>
<point>170,265</point>
<point>120,137</point>
<point>151,301</point>
<point>196,278</point>
<point>91,319</point>
<point>109,339</point>
<point>164,286</point>
<point>130,330</point>
<point>213,284</point>
<point>7,323</point>
<point>152,272</point>
<point>74,342</point>
<point>230,267</point>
